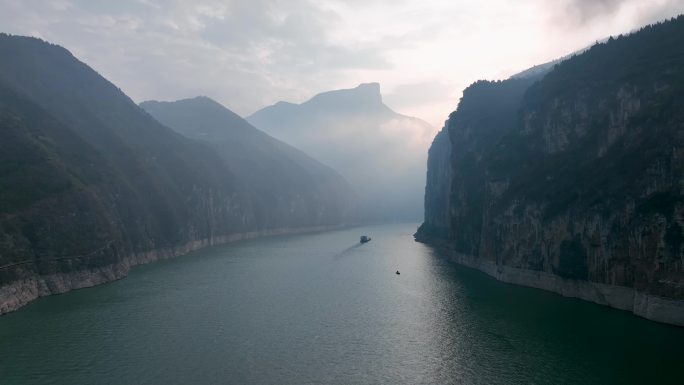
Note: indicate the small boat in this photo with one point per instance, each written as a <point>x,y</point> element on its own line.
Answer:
<point>365,239</point>
<point>398,272</point>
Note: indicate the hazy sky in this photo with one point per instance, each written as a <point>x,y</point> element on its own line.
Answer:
<point>251,53</point>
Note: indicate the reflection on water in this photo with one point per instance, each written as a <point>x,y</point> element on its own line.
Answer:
<point>321,308</point>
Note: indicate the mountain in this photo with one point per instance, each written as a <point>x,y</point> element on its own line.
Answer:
<point>538,71</point>
<point>380,152</point>
<point>286,186</point>
<point>572,181</point>
<point>91,184</point>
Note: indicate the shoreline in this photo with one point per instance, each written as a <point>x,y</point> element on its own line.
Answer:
<point>648,306</point>
<point>19,293</point>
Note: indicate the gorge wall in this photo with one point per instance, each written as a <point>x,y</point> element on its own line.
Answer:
<point>91,184</point>
<point>573,181</point>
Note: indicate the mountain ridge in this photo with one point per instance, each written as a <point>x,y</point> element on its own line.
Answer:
<point>266,165</point>
<point>91,184</point>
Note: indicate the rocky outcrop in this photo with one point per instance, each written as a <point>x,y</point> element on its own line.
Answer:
<point>575,183</point>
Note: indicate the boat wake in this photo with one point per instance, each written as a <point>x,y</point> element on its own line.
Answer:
<point>348,249</point>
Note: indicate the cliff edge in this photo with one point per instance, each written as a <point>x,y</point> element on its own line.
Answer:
<point>573,182</point>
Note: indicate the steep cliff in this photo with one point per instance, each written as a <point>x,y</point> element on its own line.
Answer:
<point>472,130</point>
<point>438,186</point>
<point>90,184</point>
<point>575,183</point>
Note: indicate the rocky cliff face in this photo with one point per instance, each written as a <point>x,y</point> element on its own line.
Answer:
<point>90,184</point>
<point>576,184</point>
<point>438,186</point>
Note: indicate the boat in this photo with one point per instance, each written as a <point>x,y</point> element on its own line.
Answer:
<point>398,272</point>
<point>365,238</point>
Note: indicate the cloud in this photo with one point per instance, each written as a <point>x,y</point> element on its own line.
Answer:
<point>239,52</point>
<point>248,54</point>
<point>665,9</point>
<point>584,11</point>
<point>419,94</point>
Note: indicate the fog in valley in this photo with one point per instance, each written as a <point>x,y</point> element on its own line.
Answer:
<point>381,153</point>
<point>341,192</point>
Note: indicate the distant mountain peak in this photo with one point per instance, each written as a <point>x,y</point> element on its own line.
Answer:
<point>376,149</point>
<point>365,96</point>
<point>216,117</point>
<point>373,87</point>
<point>208,105</point>
<point>371,91</point>
<point>196,99</point>
<point>284,103</point>
<point>202,98</point>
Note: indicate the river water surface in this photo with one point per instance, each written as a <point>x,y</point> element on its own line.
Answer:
<point>322,309</point>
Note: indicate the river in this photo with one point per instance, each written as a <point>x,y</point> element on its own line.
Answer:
<point>322,309</point>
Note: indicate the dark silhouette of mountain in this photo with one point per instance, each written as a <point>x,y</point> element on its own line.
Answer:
<point>285,185</point>
<point>380,152</point>
<point>538,71</point>
<point>575,182</point>
<point>90,184</point>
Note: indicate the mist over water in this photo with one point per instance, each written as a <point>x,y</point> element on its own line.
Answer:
<point>381,153</point>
